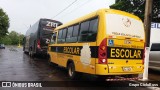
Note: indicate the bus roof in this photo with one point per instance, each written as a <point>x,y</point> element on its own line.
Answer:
<point>94,14</point>
<point>35,26</point>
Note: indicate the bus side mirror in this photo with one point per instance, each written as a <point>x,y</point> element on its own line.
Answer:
<point>47,41</point>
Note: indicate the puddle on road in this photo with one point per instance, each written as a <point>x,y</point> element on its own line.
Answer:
<point>13,49</point>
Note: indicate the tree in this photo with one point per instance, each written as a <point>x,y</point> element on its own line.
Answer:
<point>13,38</point>
<point>4,23</point>
<point>156,11</point>
<point>137,7</point>
<point>6,40</point>
<point>21,36</point>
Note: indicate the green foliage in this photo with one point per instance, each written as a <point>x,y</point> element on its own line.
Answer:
<point>137,7</point>
<point>156,11</point>
<point>6,40</point>
<point>21,36</point>
<point>4,23</point>
<point>13,38</point>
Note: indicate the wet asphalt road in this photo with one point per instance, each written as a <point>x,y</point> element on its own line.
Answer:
<point>17,66</point>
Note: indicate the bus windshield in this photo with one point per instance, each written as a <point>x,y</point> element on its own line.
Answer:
<point>121,25</point>
<point>46,30</point>
<point>47,27</point>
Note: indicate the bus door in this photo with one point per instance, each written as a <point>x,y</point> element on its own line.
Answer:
<point>53,48</point>
<point>125,43</point>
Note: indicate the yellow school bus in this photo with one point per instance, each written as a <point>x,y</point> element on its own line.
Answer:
<point>107,43</point>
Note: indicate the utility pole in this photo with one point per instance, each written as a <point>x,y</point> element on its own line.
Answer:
<point>147,26</point>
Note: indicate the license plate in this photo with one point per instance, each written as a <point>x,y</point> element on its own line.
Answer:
<point>127,42</point>
<point>126,68</point>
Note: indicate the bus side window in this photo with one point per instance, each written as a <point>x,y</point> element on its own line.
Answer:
<point>83,31</point>
<point>75,33</point>
<point>72,33</point>
<point>60,36</point>
<point>64,35</point>
<point>93,27</point>
<point>69,34</point>
<point>88,30</point>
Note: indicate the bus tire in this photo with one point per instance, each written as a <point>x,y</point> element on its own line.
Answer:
<point>71,71</point>
<point>31,53</point>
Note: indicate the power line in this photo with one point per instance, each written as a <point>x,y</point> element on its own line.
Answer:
<point>81,5</point>
<point>65,8</point>
<point>78,7</point>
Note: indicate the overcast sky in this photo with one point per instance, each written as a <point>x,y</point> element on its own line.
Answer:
<point>23,13</point>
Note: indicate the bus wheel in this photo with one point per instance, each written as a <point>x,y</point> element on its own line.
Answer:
<point>31,53</point>
<point>71,71</point>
